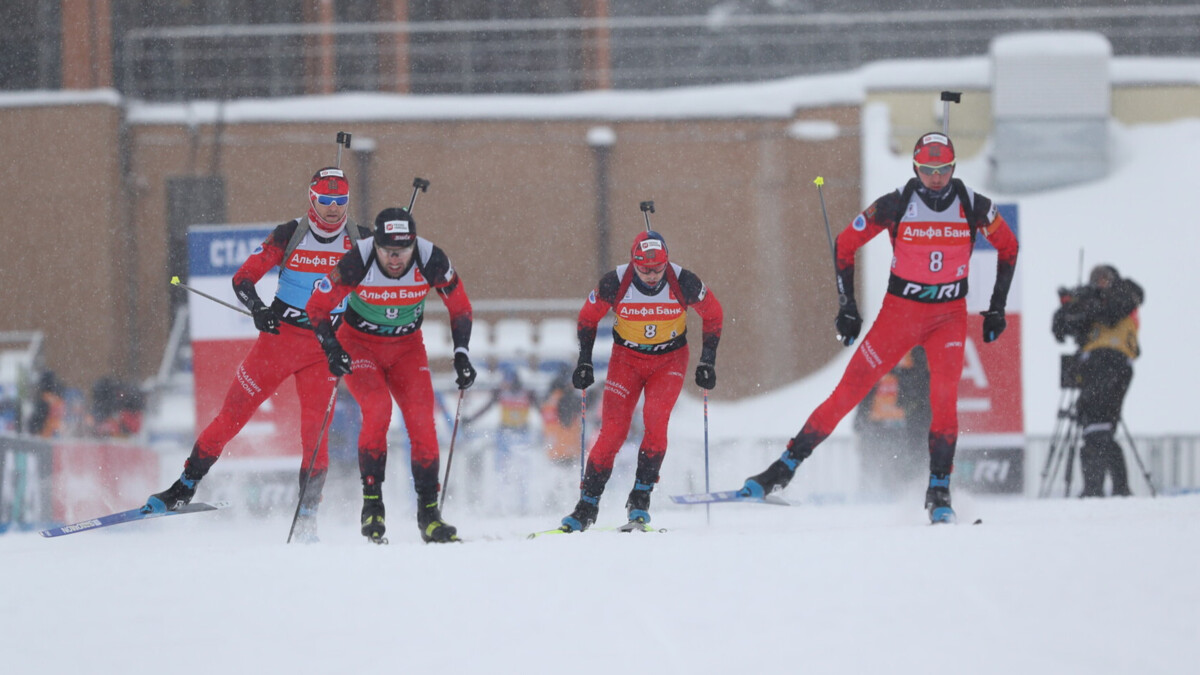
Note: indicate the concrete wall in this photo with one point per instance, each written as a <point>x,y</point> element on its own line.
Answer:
<point>64,247</point>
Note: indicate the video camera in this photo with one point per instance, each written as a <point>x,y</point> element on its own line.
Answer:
<point>1079,308</point>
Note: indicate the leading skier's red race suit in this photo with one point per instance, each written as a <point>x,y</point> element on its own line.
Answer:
<point>925,303</point>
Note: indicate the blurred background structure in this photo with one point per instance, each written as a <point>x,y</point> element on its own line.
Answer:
<point>178,50</point>
<point>125,122</point>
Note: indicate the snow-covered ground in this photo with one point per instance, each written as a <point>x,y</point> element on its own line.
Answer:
<point>1063,586</point>
<point>1047,586</point>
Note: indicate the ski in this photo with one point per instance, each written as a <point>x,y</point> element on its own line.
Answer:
<point>977,521</point>
<point>632,526</point>
<point>727,496</point>
<point>639,526</point>
<point>128,516</point>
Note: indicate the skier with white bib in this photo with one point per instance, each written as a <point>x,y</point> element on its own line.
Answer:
<point>380,349</point>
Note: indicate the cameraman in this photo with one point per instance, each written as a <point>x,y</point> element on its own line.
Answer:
<point>1102,319</point>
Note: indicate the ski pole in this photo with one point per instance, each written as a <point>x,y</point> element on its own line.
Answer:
<point>419,185</point>
<point>647,208</point>
<point>313,460</point>
<point>825,216</point>
<point>707,506</point>
<point>175,282</point>
<point>829,236</point>
<point>450,454</point>
<point>582,430</point>
<point>343,140</point>
<point>837,280</point>
<point>948,97</point>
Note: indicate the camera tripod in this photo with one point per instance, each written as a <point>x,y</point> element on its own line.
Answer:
<point>1068,438</point>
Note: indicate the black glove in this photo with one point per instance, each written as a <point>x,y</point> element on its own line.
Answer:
<point>265,319</point>
<point>339,360</point>
<point>466,372</point>
<point>993,324</point>
<point>848,323</point>
<point>583,377</point>
<point>706,376</point>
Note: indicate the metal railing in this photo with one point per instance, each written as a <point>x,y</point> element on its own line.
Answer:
<point>21,362</point>
<point>1172,461</point>
<point>561,55</point>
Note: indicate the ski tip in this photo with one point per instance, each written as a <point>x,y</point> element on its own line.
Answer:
<point>978,521</point>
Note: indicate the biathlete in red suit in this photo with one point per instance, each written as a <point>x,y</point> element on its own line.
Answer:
<point>304,249</point>
<point>650,297</point>
<point>933,222</point>
<point>387,279</point>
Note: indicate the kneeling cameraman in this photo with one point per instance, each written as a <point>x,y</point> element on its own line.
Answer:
<point>1102,318</point>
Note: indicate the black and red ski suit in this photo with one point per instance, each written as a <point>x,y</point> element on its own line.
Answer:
<point>925,303</point>
<point>381,331</point>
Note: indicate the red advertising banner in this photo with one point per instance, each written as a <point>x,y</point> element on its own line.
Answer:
<point>989,394</point>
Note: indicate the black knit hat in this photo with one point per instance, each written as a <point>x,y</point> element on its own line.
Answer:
<point>1103,275</point>
<point>394,226</point>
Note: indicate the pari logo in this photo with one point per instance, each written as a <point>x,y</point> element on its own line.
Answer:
<point>932,292</point>
<point>860,223</point>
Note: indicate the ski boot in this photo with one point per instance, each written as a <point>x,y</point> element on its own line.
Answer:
<point>776,477</point>
<point>638,509</point>
<point>583,516</point>
<point>180,494</point>
<point>433,528</point>
<point>638,505</point>
<point>373,525</point>
<point>937,500</point>
<point>780,472</point>
<point>306,526</point>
